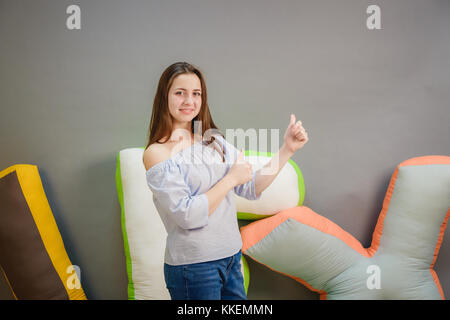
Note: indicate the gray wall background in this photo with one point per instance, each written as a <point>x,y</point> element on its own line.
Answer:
<point>369,99</point>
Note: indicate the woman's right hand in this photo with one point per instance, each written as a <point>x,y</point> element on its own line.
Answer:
<point>241,171</point>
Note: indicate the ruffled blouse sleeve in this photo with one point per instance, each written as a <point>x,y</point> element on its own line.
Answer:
<point>172,194</point>
<point>246,190</point>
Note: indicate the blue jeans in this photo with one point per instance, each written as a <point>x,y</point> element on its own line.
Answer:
<point>212,280</point>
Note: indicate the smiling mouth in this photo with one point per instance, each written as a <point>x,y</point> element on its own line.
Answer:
<point>186,110</point>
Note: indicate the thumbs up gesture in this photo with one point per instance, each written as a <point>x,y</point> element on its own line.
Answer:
<point>241,171</point>
<point>296,136</point>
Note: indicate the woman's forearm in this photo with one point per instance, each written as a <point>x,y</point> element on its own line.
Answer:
<point>265,176</point>
<point>217,193</point>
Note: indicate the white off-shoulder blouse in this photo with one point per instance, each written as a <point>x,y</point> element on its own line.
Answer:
<point>179,185</point>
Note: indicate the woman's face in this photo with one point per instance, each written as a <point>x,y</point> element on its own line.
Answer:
<point>185,97</point>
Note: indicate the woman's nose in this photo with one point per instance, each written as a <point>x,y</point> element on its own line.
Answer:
<point>188,100</point>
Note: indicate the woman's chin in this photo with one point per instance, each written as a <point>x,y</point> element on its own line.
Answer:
<point>184,118</point>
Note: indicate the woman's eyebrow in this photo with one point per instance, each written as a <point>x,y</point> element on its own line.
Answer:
<point>185,89</point>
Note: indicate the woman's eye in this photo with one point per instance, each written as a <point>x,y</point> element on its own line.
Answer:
<point>195,93</point>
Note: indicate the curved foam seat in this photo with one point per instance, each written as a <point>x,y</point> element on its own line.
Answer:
<point>32,253</point>
<point>399,263</point>
<point>143,231</point>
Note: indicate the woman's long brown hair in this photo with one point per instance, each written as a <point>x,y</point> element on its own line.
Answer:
<point>161,121</point>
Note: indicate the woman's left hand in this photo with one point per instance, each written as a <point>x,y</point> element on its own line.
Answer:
<point>296,136</point>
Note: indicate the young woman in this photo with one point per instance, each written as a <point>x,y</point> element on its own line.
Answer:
<point>191,174</point>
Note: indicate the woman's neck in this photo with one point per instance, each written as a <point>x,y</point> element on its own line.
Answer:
<point>183,130</point>
<point>181,125</point>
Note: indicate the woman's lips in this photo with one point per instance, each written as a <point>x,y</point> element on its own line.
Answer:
<point>186,111</point>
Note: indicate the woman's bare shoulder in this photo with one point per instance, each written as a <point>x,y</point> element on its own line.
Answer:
<point>155,153</point>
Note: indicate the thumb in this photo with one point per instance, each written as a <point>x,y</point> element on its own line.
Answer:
<point>292,120</point>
